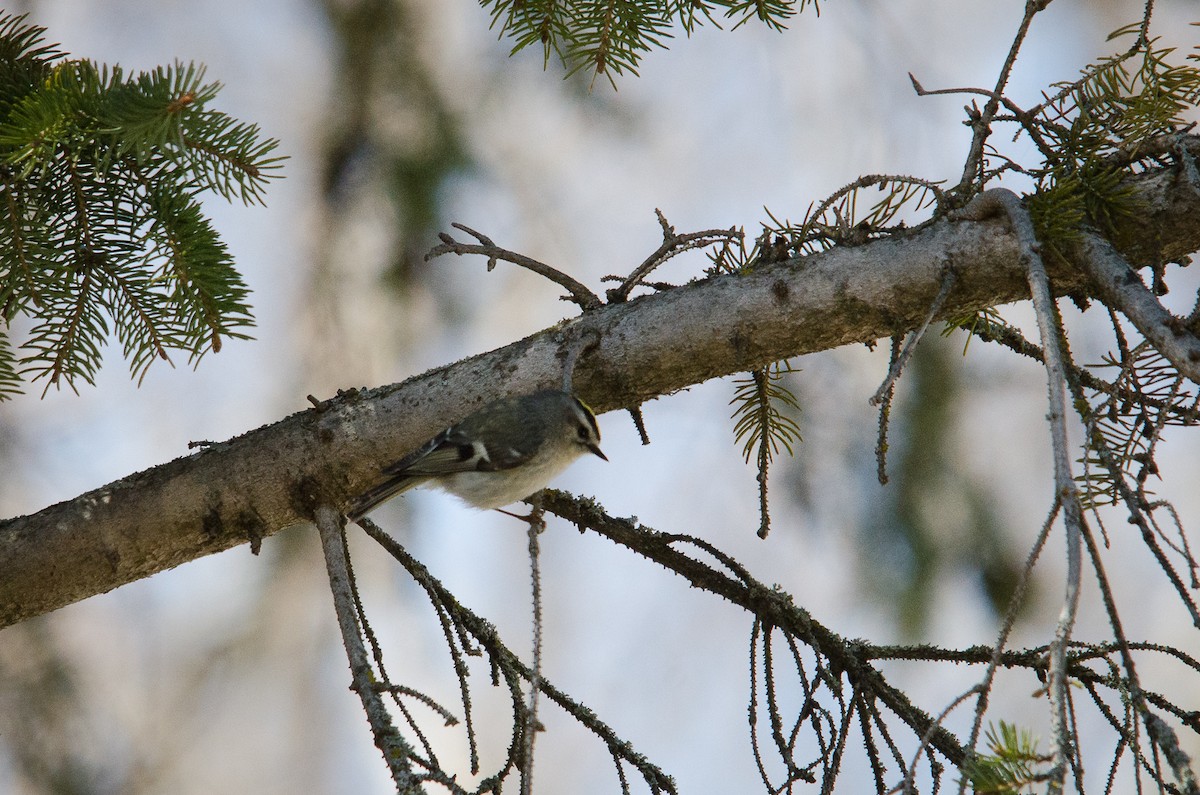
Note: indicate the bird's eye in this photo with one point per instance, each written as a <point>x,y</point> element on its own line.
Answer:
<point>583,432</point>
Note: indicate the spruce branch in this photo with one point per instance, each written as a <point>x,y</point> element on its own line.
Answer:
<point>101,231</point>
<point>762,425</point>
<point>1012,761</point>
<point>609,38</point>
<point>10,379</point>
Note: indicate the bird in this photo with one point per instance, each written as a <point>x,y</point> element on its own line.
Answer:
<point>499,454</point>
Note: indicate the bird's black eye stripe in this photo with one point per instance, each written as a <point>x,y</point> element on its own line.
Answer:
<point>590,417</point>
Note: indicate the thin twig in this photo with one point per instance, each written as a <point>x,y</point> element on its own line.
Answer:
<point>900,361</point>
<point>910,773</point>
<point>982,121</point>
<point>673,244</point>
<point>395,750</point>
<point>536,525</point>
<point>1010,619</point>
<point>1023,117</point>
<point>1006,202</point>
<point>1164,738</point>
<point>580,294</point>
<point>639,423</point>
<point>885,418</point>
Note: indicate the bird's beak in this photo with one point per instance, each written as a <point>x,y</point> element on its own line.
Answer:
<point>595,448</point>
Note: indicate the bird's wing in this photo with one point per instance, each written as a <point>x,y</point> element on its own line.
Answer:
<point>450,452</point>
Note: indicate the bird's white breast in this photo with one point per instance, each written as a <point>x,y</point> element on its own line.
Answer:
<point>496,489</point>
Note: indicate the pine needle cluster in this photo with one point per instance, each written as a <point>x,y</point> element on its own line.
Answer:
<point>609,37</point>
<point>1095,130</point>
<point>764,425</point>
<point>102,235</point>
<point>1013,766</point>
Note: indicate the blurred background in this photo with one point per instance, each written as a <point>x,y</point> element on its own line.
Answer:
<point>400,116</point>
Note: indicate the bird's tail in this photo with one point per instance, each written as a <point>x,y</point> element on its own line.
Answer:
<point>366,502</point>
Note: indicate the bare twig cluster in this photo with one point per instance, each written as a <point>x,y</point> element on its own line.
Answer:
<point>413,762</point>
<point>674,243</point>
<point>843,691</point>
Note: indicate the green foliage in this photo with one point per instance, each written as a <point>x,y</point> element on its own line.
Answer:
<point>609,37</point>
<point>10,379</point>
<point>1125,100</point>
<point>1010,768</point>
<point>101,232</point>
<point>1095,129</point>
<point>979,323</point>
<point>763,425</point>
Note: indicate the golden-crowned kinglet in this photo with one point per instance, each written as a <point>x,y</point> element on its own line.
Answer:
<point>502,453</point>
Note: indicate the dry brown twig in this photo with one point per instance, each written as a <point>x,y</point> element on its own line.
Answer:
<point>579,293</point>
<point>673,244</point>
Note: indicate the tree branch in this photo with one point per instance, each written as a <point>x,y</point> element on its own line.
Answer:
<point>272,478</point>
<point>580,294</point>
<point>1066,493</point>
<point>395,750</point>
<point>1120,287</point>
<point>768,604</point>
